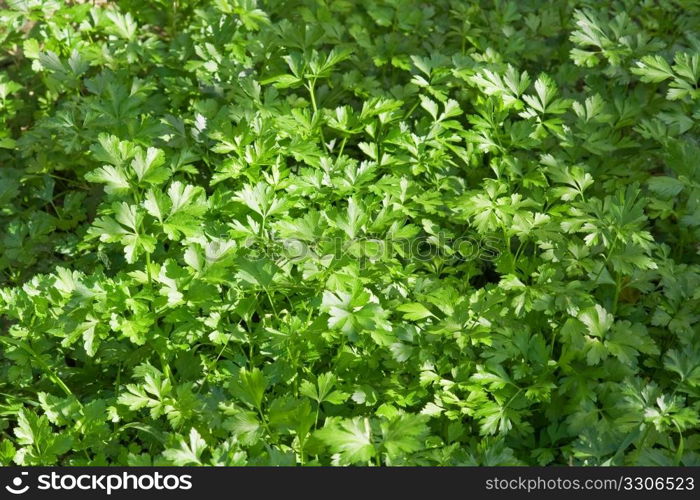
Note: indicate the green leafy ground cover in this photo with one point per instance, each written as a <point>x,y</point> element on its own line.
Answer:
<point>349,232</point>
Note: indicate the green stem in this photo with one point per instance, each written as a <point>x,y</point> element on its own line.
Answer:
<point>517,252</point>
<point>312,94</point>
<point>551,345</point>
<point>681,445</point>
<point>618,286</point>
<point>513,398</point>
<point>342,146</point>
<point>506,243</point>
<point>53,376</point>
<point>250,351</point>
<point>413,108</point>
<point>311,86</point>
<point>173,19</point>
<point>264,422</point>
<point>213,363</point>
<point>379,143</point>
<point>148,266</point>
<point>272,305</point>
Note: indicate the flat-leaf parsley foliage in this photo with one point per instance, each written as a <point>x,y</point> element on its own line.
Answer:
<point>378,232</point>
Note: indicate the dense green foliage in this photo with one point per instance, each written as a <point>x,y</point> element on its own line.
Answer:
<point>449,232</point>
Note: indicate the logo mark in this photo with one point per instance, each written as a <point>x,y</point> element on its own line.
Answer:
<point>17,483</point>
